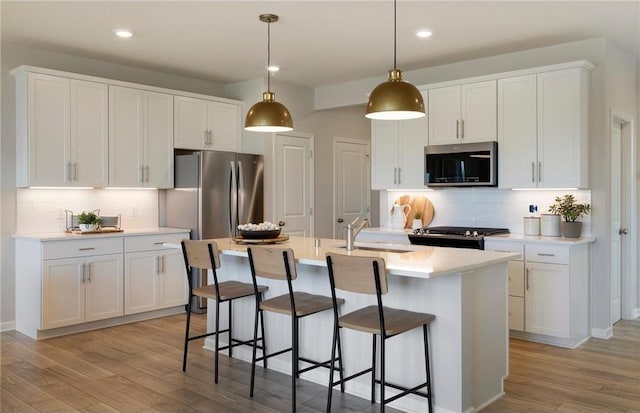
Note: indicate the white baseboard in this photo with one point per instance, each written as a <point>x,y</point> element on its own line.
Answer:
<point>7,326</point>
<point>603,333</point>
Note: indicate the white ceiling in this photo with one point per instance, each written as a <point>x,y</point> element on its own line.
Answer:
<point>315,43</point>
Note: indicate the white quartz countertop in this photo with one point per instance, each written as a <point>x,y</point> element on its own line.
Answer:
<point>536,239</point>
<point>59,236</point>
<point>420,261</point>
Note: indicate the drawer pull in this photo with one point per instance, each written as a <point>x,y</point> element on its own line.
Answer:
<point>502,251</point>
<point>159,243</point>
<point>86,249</point>
<point>546,255</point>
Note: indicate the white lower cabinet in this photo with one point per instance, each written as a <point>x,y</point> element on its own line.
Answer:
<point>155,277</point>
<point>548,291</point>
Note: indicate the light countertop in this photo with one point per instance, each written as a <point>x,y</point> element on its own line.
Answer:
<point>536,239</point>
<point>60,236</point>
<point>410,260</point>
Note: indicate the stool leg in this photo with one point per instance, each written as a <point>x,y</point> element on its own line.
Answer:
<point>217,340</point>
<point>382,377</point>
<point>332,366</point>
<point>294,360</point>
<point>373,371</point>
<point>341,369</point>
<point>426,361</point>
<point>264,342</point>
<point>186,335</point>
<point>230,330</point>
<point>255,344</point>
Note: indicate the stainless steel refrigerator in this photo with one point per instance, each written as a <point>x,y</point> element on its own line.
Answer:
<point>214,192</point>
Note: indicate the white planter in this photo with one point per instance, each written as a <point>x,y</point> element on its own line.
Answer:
<point>416,224</point>
<point>88,227</point>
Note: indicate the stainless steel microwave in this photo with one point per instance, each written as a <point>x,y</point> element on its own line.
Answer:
<point>464,164</point>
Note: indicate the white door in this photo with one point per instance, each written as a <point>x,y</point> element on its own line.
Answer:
<point>412,139</point>
<point>62,292</point>
<point>126,143</point>
<point>616,225</point>
<point>190,123</point>
<point>141,282</point>
<point>384,153</point>
<point>547,299</point>
<point>224,124</point>
<point>103,287</point>
<point>350,183</point>
<point>158,140</point>
<point>478,112</point>
<point>174,289</point>
<point>444,115</point>
<point>293,164</point>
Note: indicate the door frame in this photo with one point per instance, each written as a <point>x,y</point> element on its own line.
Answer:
<point>628,275</point>
<point>356,141</point>
<point>274,201</point>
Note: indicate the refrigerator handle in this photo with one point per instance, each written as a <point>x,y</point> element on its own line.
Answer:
<point>240,192</point>
<point>233,202</point>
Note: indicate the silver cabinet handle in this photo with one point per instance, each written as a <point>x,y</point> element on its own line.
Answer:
<point>162,263</point>
<point>399,176</point>
<point>461,129</point>
<point>533,171</point>
<point>86,249</point>
<point>141,174</point>
<point>159,243</point>
<point>83,273</point>
<point>88,272</point>
<point>541,254</point>
<point>457,129</point>
<point>501,251</point>
<point>157,265</point>
<point>210,137</point>
<point>395,176</point>
<point>67,172</point>
<point>526,276</point>
<point>75,171</point>
<point>146,173</point>
<point>539,171</point>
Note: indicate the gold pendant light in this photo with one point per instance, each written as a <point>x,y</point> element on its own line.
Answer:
<point>395,99</point>
<point>268,115</point>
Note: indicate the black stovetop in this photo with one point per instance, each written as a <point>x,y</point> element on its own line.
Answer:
<point>460,231</point>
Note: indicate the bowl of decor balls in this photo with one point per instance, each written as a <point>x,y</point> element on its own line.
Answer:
<point>263,230</point>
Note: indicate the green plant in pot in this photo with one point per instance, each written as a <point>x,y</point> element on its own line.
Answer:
<point>417,220</point>
<point>570,211</point>
<point>88,221</point>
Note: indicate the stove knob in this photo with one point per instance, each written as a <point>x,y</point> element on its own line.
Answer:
<point>416,231</point>
<point>475,233</point>
<point>426,231</point>
<point>467,233</point>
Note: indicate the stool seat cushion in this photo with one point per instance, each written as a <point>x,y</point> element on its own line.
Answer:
<point>305,304</point>
<point>228,290</point>
<point>395,321</point>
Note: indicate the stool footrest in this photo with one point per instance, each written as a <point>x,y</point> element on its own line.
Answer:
<point>277,353</point>
<point>406,390</point>
<point>353,376</point>
<point>207,335</point>
<point>315,364</point>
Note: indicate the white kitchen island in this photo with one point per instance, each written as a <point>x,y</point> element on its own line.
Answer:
<point>465,289</point>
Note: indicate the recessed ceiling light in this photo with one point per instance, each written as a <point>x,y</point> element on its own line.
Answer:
<point>423,34</point>
<point>125,34</point>
<point>273,68</point>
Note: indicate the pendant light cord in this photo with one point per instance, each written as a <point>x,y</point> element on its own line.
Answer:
<point>268,56</point>
<point>394,34</point>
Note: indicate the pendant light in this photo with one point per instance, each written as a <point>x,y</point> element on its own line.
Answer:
<point>395,99</point>
<point>268,115</point>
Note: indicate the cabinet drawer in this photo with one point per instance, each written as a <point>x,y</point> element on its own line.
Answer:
<point>516,278</point>
<point>516,313</point>
<point>81,247</point>
<point>152,242</point>
<point>552,254</point>
<point>504,246</point>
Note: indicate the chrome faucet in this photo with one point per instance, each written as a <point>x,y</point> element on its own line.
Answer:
<point>352,232</point>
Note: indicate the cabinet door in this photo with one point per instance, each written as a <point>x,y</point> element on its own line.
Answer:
<point>516,278</point>
<point>103,287</point>
<point>478,112</point>
<point>444,115</point>
<point>158,140</point>
<point>141,281</point>
<point>62,292</point>
<point>384,154</point>
<point>174,289</point>
<point>560,147</point>
<point>413,139</point>
<point>47,131</point>
<point>89,148</point>
<point>126,144</point>
<point>224,124</point>
<point>547,299</point>
<point>516,313</point>
<point>517,136</point>
<point>191,124</point>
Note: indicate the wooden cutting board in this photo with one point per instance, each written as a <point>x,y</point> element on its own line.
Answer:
<point>417,203</point>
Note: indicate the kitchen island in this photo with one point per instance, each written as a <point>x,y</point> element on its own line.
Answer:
<point>465,289</point>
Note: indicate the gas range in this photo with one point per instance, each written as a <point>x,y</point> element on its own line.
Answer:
<point>457,237</point>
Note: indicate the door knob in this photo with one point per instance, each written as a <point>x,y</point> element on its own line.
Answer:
<point>281,223</point>
<point>340,220</point>
<point>622,231</point>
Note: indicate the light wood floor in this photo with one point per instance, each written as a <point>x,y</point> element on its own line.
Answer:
<point>137,368</point>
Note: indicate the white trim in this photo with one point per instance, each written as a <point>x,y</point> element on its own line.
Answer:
<point>7,326</point>
<point>603,333</point>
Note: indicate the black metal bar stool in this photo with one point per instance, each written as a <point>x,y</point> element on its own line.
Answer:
<point>279,264</point>
<point>367,275</point>
<point>203,254</point>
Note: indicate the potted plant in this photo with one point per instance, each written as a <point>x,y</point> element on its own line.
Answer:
<point>570,211</point>
<point>88,221</point>
<point>417,220</point>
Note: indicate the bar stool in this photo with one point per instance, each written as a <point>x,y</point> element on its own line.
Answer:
<point>203,254</point>
<point>279,264</point>
<point>367,275</point>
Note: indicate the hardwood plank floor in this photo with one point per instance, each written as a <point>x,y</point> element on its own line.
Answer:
<point>136,368</point>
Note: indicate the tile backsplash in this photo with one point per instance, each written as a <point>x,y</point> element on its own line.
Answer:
<point>485,207</point>
<point>42,210</point>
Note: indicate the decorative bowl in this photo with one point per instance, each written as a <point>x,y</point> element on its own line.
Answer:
<point>274,233</point>
<point>88,227</point>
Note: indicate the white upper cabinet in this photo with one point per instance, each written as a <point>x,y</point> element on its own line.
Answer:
<point>397,154</point>
<point>140,138</point>
<point>205,124</point>
<point>61,131</point>
<point>542,130</point>
<point>463,113</point>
